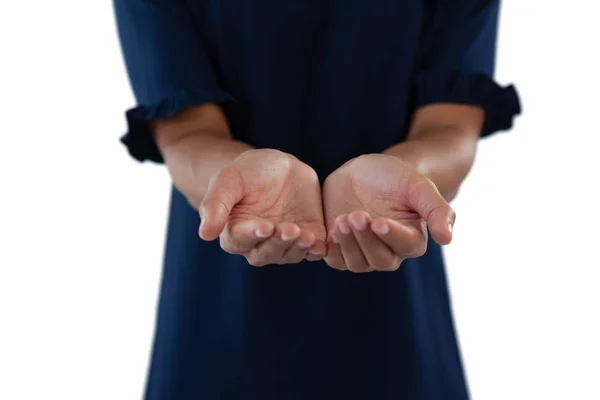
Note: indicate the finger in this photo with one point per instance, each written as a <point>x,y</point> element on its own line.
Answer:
<point>225,190</point>
<point>334,256</point>
<point>239,237</point>
<point>298,251</point>
<point>424,198</point>
<point>317,251</point>
<point>377,253</point>
<point>271,251</point>
<point>353,256</point>
<point>405,241</point>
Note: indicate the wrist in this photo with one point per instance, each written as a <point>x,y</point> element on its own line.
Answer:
<point>193,159</point>
<point>444,156</point>
<point>432,150</point>
<point>203,120</point>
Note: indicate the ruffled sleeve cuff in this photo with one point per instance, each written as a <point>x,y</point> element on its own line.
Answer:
<point>139,140</point>
<point>501,104</point>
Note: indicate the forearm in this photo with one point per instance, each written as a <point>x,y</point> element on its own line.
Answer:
<point>195,145</point>
<point>441,144</point>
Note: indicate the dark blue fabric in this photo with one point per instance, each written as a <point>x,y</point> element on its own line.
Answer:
<point>325,80</point>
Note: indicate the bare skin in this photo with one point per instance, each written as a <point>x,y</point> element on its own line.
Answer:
<point>263,204</point>
<point>379,207</point>
<point>267,205</point>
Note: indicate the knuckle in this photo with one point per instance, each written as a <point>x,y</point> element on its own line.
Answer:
<point>254,261</point>
<point>294,259</point>
<point>387,267</point>
<point>392,265</point>
<point>233,241</point>
<point>335,263</point>
<point>398,264</point>
<point>228,246</point>
<point>258,258</point>
<point>419,251</point>
<point>416,243</point>
<point>384,262</point>
<point>360,268</point>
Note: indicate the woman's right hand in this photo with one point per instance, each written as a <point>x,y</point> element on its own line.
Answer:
<point>265,205</point>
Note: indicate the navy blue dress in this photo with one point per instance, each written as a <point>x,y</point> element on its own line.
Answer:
<point>325,80</point>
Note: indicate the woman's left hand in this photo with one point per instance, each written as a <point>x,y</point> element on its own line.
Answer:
<point>377,210</point>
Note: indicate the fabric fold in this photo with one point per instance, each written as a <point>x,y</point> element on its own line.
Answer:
<point>139,140</point>
<point>501,104</point>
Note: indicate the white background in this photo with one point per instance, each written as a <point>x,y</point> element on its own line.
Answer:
<point>82,225</point>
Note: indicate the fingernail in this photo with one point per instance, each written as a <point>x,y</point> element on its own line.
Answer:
<point>451,221</point>
<point>344,228</point>
<point>261,234</point>
<point>202,222</point>
<point>315,252</point>
<point>285,237</point>
<point>334,238</point>
<point>382,229</point>
<point>359,223</point>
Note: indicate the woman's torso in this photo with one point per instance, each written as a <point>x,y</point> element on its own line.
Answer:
<point>326,81</point>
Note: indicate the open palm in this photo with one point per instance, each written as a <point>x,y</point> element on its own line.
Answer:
<point>377,205</point>
<point>267,206</point>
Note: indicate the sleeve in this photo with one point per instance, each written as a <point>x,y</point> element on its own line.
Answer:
<point>457,59</point>
<point>168,66</point>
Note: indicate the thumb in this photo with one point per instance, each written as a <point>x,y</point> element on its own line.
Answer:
<point>225,190</point>
<point>425,199</point>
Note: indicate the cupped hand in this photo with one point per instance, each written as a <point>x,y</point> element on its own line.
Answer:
<point>266,205</point>
<point>378,210</point>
